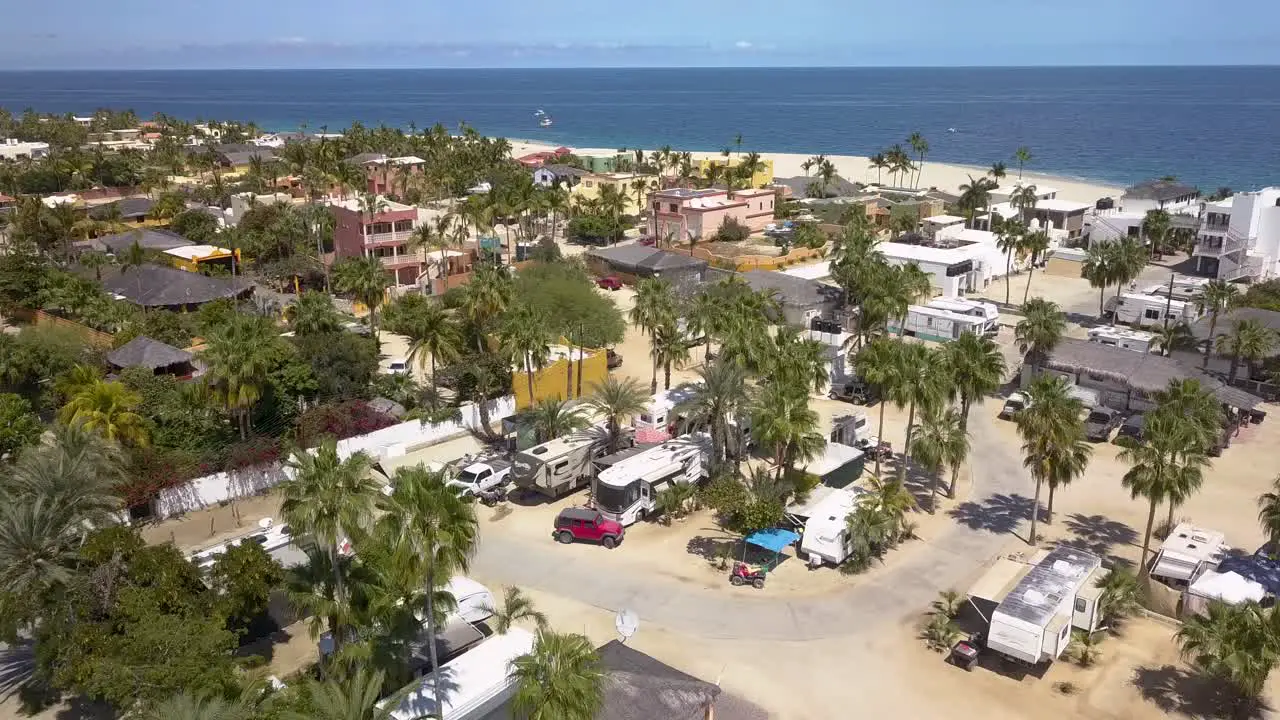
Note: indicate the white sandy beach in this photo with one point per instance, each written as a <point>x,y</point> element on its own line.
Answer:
<point>857,169</point>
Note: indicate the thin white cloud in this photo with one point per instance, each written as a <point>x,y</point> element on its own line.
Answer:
<point>742,45</point>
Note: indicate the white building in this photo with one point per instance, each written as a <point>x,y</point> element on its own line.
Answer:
<point>1005,193</point>
<point>1169,195</point>
<point>1239,237</point>
<point>11,149</point>
<point>959,260</point>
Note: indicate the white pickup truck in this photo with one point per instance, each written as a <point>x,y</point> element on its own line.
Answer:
<point>482,476</point>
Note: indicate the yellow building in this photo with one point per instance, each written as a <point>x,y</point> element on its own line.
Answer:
<point>624,183</point>
<point>195,258</point>
<point>762,177</point>
<point>559,379</point>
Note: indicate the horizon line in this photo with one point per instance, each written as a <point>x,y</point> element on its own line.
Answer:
<point>635,67</point>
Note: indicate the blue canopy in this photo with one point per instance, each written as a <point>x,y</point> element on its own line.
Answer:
<point>1258,567</point>
<point>775,539</point>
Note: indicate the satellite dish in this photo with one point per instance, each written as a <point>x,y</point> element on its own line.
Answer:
<point>627,623</point>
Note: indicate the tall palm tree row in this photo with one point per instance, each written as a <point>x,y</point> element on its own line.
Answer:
<point>1215,298</point>
<point>654,308</point>
<point>1054,447</point>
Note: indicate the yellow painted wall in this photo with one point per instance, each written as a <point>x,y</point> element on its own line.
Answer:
<point>550,381</point>
<point>589,188</point>
<point>762,177</point>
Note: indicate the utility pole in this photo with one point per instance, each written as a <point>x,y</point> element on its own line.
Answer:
<point>1168,303</point>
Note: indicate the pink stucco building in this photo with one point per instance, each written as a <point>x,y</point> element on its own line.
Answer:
<point>683,214</point>
<point>384,236</point>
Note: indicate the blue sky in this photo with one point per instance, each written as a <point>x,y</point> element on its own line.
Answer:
<point>608,33</point>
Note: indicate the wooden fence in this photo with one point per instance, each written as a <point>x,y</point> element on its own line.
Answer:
<point>96,338</point>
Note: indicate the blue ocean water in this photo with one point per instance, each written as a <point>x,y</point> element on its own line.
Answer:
<point>1211,126</point>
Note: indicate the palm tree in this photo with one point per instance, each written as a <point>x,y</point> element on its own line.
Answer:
<point>655,305</point>
<point>1237,644</point>
<point>1040,329</point>
<point>1009,240</point>
<point>436,235</point>
<point>561,679</point>
<point>997,172</point>
<point>1130,258</point>
<point>1156,227</point>
<point>189,706</point>
<point>108,409</point>
<point>1120,596</point>
<point>1269,515</point>
<point>365,278</point>
<point>977,368</point>
<point>921,148</point>
<point>1155,467</point>
<point>1033,244</point>
<point>553,418</point>
<point>313,314</point>
<point>433,331</point>
<point>783,422</point>
<point>1188,400</point>
<point>703,316</point>
<point>355,698</point>
<point>1023,156</point>
<point>1177,336</point>
<point>878,163</point>
<point>1099,270</point>
<point>921,384</point>
<point>1249,340</point>
<point>526,335</point>
<point>1215,298</point>
<point>238,358</point>
<point>516,607</point>
<point>1054,447</point>
<point>434,525</point>
<point>329,499</point>
<point>618,401</point>
<point>940,443</point>
<point>721,393</point>
<point>974,195</point>
<point>486,298</point>
<point>668,347</point>
<point>77,473</point>
<point>879,364</point>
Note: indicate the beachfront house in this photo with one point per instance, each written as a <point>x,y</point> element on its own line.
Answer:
<point>682,214</point>
<point>554,174</point>
<point>385,175</point>
<point>1168,195</point>
<point>760,178</point>
<point>385,236</point>
<point>958,260</point>
<point>590,185</point>
<point>1239,237</point>
<point>12,149</point>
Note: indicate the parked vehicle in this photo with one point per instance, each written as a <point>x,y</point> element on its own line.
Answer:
<point>578,523</point>
<point>562,465</point>
<point>627,490</point>
<point>744,574</point>
<point>482,477</point>
<point>825,538</point>
<point>613,359</point>
<point>1132,428</point>
<point>397,366</point>
<point>610,282</point>
<point>854,391</point>
<point>1100,422</point>
<point>1016,403</point>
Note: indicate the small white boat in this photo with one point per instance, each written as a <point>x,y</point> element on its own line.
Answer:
<point>545,121</point>
<point>540,113</point>
<point>951,130</point>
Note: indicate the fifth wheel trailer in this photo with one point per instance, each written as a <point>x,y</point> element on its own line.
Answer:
<point>1040,602</point>
<point>562,465</point>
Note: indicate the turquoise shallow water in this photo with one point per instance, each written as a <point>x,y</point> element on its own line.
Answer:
<point>1210,126</point>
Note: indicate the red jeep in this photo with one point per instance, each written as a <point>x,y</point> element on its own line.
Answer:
<point>586,524</point>
<point>609,283</point>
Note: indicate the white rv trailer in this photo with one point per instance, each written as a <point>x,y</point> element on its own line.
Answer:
<point>1184,288</point>
<point>1150,310</point>
<point>1123,338</point>
<point>945,319</point>
<point>660,422</point>
<point>1040,603</point>
<point>627,491</point>
<point>1186,553</point>
<point>561,465</point>
<point>478,681</point>
<point>825,538</point>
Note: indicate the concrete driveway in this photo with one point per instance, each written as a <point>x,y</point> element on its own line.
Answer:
<point>900,592</point>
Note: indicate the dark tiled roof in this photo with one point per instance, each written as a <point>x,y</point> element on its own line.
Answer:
<point>159,286</point>
<point>1159,190</point>
<point>144,352</point>
<point>243,158</point>
<point>639,687</point>
<point>148,238</point>
<point>130,208</point>
<point>1227,320</point>
<point>563,170</point>
<point>792,290</point>
<point>667,260</point>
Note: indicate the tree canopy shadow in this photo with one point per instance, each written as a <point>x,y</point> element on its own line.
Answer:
<point>1098,534</point>
<point>999,513</point>
<point>1177,690</point>
<point>17,662</point>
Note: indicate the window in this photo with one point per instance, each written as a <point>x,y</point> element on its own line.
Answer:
<point>588,183</point>
<point>1150,314</point>
<point>657,205</point>
<point>674,207</point>
<point>928,322</point>
<point>559,467</point>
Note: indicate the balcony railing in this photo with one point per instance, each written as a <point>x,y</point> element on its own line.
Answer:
<point>387,238</point>
<point>1250,268</point>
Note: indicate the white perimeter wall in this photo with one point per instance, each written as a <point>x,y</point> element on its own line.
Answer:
<point>388,442</point>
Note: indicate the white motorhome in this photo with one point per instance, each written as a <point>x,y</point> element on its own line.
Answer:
<point>825,539</point>
<point>1186,553</point>
<point>1040,602</point>
<point>478,682</point>
<point>562,465</point>
<point>1123,338</point>
<point>1150,310</point>
<point>627,491</point>
<point>945,319</point>
<point>660,421</point>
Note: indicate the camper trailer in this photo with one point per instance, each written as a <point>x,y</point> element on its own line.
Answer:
<point>661,422</point>
<point>825,539</point>
<point>1186,553</point>
<point>1039,603</point>
<point>1183,288</point>
<point>480,682</point>
<point>627,490</point>
<point>1123,338</point>
<point>562,465</point>
<point>1150,310</point>
<point>946,319</point>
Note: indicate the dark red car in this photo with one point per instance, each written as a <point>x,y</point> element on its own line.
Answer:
<point>609,283</point>
<point>587,524</point>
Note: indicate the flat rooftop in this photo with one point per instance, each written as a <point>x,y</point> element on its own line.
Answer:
<point>943,219</point>
<point>690,192</point>
<point>195,252</point>
<point>353,204</point>
<point>1056,205</point>
<point>924,253</point>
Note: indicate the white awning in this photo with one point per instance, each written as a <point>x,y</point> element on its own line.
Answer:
<point>999,579</point>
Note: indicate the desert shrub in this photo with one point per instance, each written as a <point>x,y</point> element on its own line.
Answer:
<point>732,231</point>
